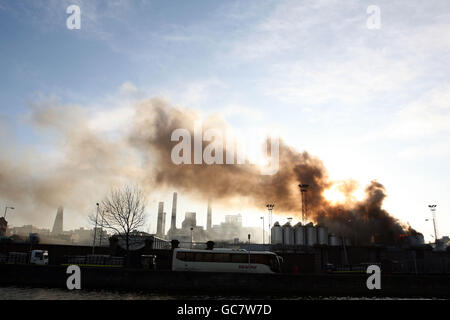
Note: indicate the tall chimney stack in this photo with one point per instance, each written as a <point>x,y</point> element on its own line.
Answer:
<point>173,223</point>
<point>159,225</point>
<point>209,216</point>
<point>163,231</point>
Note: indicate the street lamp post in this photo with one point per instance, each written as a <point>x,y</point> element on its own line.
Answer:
<point>192,236</point>
<point>263,229</point>
<point>101,226</point>
<point>95,230</point>
<point>6,209</point>
<point>353,230</point>
<point>270,208</point>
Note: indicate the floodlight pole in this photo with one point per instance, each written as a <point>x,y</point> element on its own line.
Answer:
<point>303,190</point>
<point>433,214</point>
<point>270,208</point>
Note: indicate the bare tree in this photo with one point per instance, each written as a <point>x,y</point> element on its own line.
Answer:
<point>123,212</point>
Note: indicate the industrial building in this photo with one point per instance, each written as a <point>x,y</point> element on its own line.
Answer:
<point>3,226</point>
<point>231,230</point>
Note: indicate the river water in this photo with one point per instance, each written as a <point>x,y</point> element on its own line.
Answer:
<point>26,293</point>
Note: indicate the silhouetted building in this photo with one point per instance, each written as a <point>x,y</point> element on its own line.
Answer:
<point>27,229</point>
<point>3,226</point>
<point>190,220</point>
<point>58,224</point>
<point>229,231</point>
<point>83,236</point>
<point>233,231</point>
<point>189,231</point>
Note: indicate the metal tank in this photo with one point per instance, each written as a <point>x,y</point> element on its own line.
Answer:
<point>299,234</point>
<point>416,240</point>
<point>322,235</point>
<point>311,234</point>
<point>420,239</point>
<point>333,240</point>
<point>288,234</point>
<point>276,234</point>
<point>348,241</point>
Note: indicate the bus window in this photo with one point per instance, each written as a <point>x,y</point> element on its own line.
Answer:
<point>202,257</point>
<point>189,256</point>
<point>185,256</point>
<point>207,257</point>
<point>239,258</point>
<point>260,259</point>
<point>181,256</point>
<point>222,257</point>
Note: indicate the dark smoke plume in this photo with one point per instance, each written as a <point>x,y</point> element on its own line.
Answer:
<point>364,221</point>
<point>92,163</point>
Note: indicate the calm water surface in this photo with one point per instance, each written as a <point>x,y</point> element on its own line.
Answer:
<point>26,293</point>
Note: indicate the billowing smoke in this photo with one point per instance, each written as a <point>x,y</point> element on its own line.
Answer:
<point>363,221</point>
<point>90,162</point>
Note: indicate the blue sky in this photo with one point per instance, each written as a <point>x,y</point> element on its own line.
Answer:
<point>372,104</point>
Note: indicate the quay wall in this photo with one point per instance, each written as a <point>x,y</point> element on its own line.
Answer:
<point>164,281</point>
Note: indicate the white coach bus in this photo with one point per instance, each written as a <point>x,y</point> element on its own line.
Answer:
<point>225,260</point>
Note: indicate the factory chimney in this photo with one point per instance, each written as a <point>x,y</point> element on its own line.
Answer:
<point>159,225</point>
<point>173,223</point>
<point>163,227</point>
<point>209,216</point>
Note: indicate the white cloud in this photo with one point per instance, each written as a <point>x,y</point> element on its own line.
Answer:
<point>296,26</point>
<point>420,152</point>
<point>360,76</point>
<point>429,115</point>
<point>318,52</point>
<point>194,93</point>
<point>128,88</point>
<point>249,113</point>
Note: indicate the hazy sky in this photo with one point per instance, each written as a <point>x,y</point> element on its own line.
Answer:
<point>371,103</point>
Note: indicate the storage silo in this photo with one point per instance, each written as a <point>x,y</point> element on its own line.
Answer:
<point>288,234</point>
<point>322,235</point>
<point>420,239</point>
<point>348,242</point>
<point>311,234</point>
<point>299,234</point>
<point>276,234</point>
<point>333,240</point>
<point>416,239</point>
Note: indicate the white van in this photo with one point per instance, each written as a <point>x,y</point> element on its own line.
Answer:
<point>39,257</point>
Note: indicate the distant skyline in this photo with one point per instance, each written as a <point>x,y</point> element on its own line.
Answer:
<point>370,103</point>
